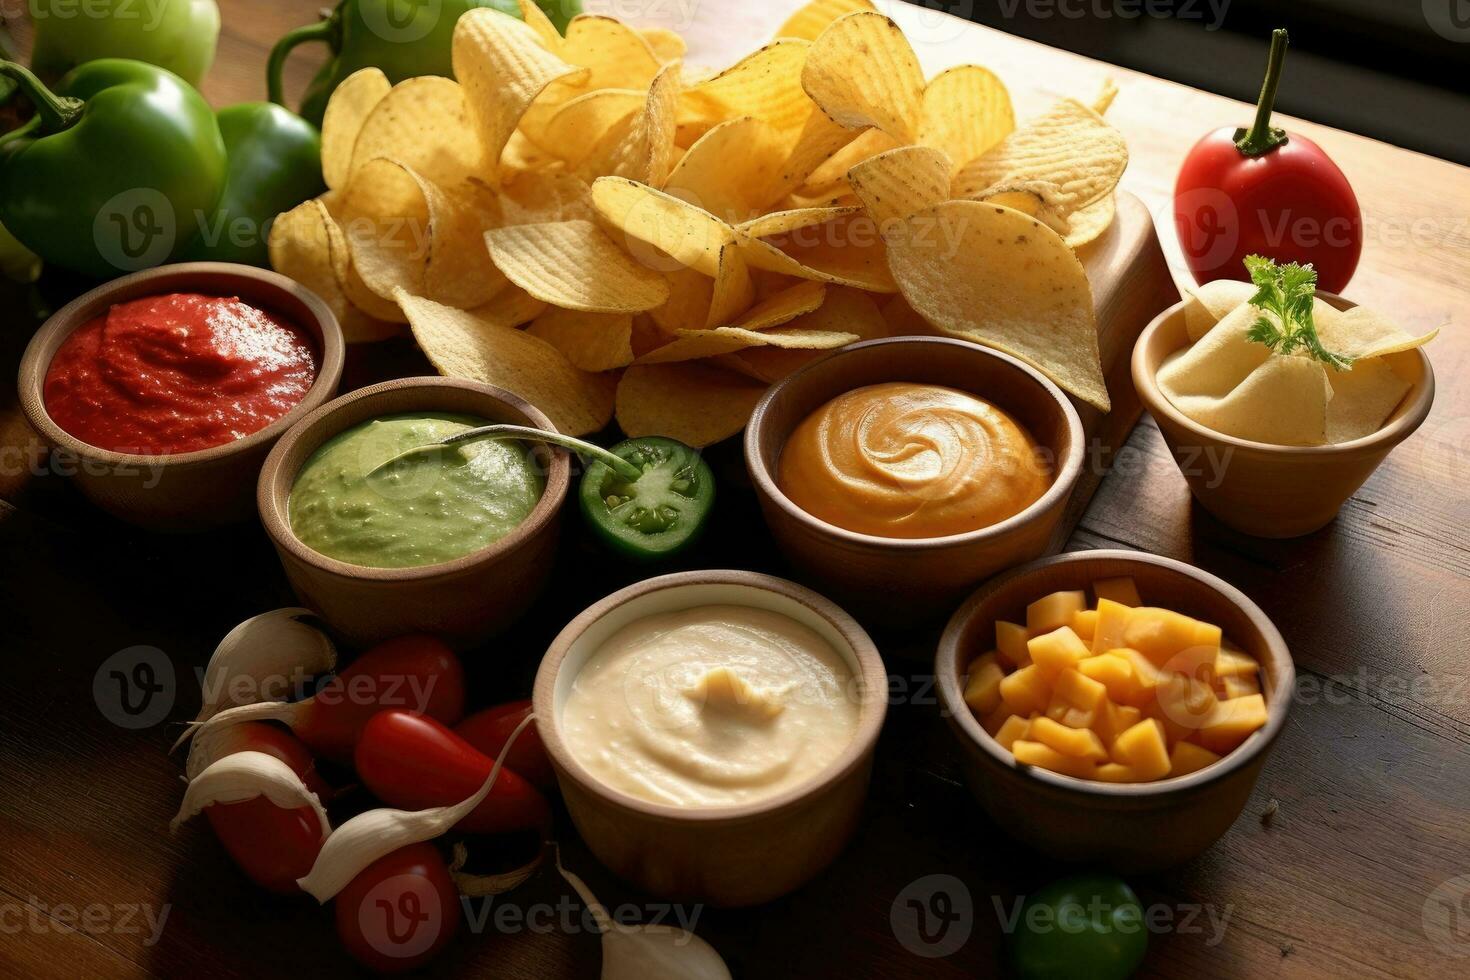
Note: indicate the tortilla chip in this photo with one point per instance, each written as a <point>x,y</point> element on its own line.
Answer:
<point>574,265</point>
<point>347,111</point>
<point>463,344</point>
<point>591,341</point>
<point>966,111</point>
<point>999,278</point>
<point>694,403</point>
<point>863,72</point>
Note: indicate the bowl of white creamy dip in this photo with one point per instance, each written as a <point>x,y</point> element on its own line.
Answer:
<point>713,732</point>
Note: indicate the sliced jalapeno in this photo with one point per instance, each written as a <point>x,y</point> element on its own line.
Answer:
<point>658,514</point>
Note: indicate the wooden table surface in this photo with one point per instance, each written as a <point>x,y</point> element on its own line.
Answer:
<point>1363,870</point>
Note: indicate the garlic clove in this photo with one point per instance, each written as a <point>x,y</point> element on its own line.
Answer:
<point>480,886</point>
<point>265,658</point>
<point>210,729</point>
<point>377,833</point>
<point>246,776</point>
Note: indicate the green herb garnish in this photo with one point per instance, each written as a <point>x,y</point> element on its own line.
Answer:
<point>1289,292</point>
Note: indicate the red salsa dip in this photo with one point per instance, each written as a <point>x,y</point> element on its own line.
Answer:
<point>178,373</point>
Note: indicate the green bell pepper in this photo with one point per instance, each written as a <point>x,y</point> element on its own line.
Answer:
<point>275,164</point>
<point>1089,927</point>
<point>404,38</point>
<point>179,35</point>
<point>115,169</point>
<point>658,514</point>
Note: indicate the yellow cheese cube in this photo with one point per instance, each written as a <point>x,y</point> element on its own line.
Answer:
<point>1237,686</point>
<point>1159,634</point>
<point>1010,641</point>
<point>1051,613</point>
<point>1146,677</point>
<point>1112,772</point>
<point>1084,624</point>
<point>992,721</point>
<point>1233,663</point>
<point>1174,731</point>
<point>1057,651</point>
<point>1026,690</point>
<point>1144,749</point>
<point>1187,758</point>
<point>1112,622</point>
<point>1059,709</point>
<point>1123,590</point>
<point>1032,753</point>
<point>1232,721</point>
<point>1188,703</point>
<point>1077,690</point>
<point>982,688</point>
<point>1015,728</point>
<point>1080,743</point>
<point>1115,719</point>
<point>1113,672</point>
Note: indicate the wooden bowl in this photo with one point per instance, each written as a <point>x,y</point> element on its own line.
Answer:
<point>1265,490</point>
<point>732,855</point>
<point>900,581</point>
<point>184,491</point>
<point>466,600</point>
<point>1127,826</point>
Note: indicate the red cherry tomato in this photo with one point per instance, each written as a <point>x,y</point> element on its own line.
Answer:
<point>273,846</point>
<point>488,730</point>
<point>414,763</point>
<point>411,673</point>
<point>400,911</point>
<point>274,741</point>
<point>1262,191</point>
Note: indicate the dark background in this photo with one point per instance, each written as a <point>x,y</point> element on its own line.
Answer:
<point>1395,70</point>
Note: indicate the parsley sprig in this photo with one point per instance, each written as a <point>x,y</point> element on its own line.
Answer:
<point>1289,292</point>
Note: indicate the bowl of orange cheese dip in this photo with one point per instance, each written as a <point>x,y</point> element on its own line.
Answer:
<point>900,473</point>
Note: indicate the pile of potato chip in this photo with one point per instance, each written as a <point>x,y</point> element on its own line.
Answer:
<point>584,222</point>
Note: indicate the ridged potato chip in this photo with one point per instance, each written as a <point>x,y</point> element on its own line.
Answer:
<point>538,197</point>
<point>424,123</point>
<point>729,170</point>
<point>614,54</point>
<point>901,182</point>
<point>503,65</point>
<point>591,341</point>
<point>734,288</point>
<point>667,45</point>
<point>694,345</point>
<point>766,84</point>
<point>833,171</point>
<point>690,235</point>
<point>1069,146</point>
<point>966,111</point>
<point>575,127</point>
<point>1002,279</point>
<point>307,245</point>
<point>1090,223</point>
<point>537,20</point>
<point>574,265</point>
<point>863,72</point>
<point>694,403</point>
<point>347,111</point>
<point>471,345</point>
<point>645,152</point>
<point>815,17</point>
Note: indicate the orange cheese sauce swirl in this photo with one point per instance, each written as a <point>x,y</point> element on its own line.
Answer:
<point>901,460</point>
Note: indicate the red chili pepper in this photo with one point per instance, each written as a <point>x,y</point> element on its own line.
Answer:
<point>271,845</point>
<point>415,763</point>
<point>400,911</point>
<point>1263,191</point>
<point>488,731</point>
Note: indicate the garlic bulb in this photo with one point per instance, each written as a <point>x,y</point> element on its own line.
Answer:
<point>377,833</point>
<point>647,952</point>
<point>246,776</point>
<point>263,659</point>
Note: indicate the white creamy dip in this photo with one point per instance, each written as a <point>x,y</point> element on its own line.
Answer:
<point>712,706</point>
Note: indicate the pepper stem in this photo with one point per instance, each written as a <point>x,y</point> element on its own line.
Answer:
<point>327,31</point>
<point>614,462</point>
<point>1262,137</point>
<point>55,112</point>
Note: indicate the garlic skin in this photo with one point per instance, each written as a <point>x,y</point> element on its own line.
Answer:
<point>261,659</point>
<point>246,776</point>
<point>377,833</point>
<point>647,952</point>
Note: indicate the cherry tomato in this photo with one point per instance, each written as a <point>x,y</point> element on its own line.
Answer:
<point>274,741</point>
<point>400,911</point>
<point>488,730</point>
<point>1262,191</point>
<point>414,763</point>
<point>272,845</point>
<point>1089,927</point>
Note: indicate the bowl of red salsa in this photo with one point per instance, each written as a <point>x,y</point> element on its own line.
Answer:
<point>161,393</point>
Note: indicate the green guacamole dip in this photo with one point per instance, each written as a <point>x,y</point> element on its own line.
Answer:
<point>429,508</point>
